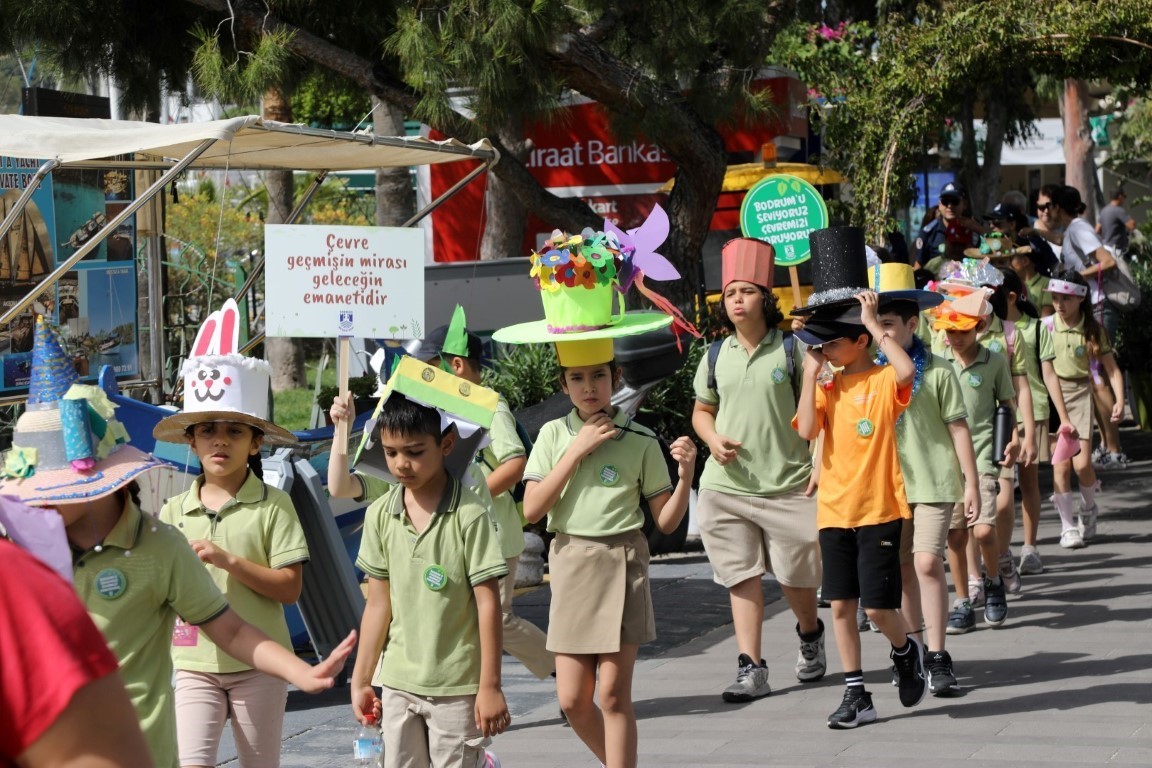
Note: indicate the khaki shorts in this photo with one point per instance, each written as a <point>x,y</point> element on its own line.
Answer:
<point>1043,450</point>
<point>253,700</point>
<point>748,536</point>
<point>989,490</point>
<point>1078,400</point>
<point>422,731</point>
<point>927,531</point>
<point>601,598</point>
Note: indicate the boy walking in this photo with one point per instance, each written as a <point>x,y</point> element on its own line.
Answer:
<point>433,561</point>
<point>861,504</point>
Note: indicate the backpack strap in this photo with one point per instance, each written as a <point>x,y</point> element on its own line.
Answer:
<point>713,355</point>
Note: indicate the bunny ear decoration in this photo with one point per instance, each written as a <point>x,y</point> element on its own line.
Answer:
<point>220,384</point>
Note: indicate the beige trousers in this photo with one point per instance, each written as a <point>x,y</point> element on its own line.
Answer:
<point>522,638</point>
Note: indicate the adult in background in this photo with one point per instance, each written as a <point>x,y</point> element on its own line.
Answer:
<point>1115,224</point>
<point>948,233</point>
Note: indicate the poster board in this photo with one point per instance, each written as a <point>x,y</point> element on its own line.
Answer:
<point>334,281</point>
<point>783,210</point>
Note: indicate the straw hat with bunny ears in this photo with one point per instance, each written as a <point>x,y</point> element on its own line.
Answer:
<point>220,384</point>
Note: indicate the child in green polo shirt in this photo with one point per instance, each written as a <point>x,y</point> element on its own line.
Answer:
<point>433,561</point>
<point>984,383</point>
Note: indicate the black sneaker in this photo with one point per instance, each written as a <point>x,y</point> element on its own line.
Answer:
<point>910,666</point>
<point>995,603</point>
<point>856,709</point>
<point>941,680</point>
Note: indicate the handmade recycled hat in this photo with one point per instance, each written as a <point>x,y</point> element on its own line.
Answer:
<point>454,340</point>
<point>220,384</point>
<point>747,259</point>
<point>897,282</point>
<point>1066,288</point>
<point>467,407</point>
<point>959,278</point>
<point>67,446</point>
<point>580,276</point>
<point>963,313</point>
<point>839,271</point>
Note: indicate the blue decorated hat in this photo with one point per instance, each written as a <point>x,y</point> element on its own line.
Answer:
<point>67,446</point>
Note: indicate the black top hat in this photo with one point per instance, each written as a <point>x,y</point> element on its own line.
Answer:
<point>839,271</point>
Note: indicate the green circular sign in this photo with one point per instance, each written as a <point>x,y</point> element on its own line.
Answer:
<point>435,578</point>
<point>783,210</point>
<point>111,583</point>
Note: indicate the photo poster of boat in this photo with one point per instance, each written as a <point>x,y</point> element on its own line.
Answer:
<point>95,303</point>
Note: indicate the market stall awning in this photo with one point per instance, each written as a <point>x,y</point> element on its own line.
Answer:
<point>741,178</point>
<point>241,143</point>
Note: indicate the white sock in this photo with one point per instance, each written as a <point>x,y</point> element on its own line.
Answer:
<point>1065,505</point>
<point>1087,496</point>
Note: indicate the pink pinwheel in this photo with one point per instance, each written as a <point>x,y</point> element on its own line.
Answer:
<point>638,246</point>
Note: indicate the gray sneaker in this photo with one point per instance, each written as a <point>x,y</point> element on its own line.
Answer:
<point>1030,562</point>
<point>811,664</point>
<point>751,681</point>
<point>1087,523</point>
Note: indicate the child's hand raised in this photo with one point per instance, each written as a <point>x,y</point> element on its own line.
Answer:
<point>683,450</point>
<point>341,407</point>
<point>598,430</point>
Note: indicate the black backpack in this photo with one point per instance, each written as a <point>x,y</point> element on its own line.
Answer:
<point>789,349</point>
<point>526,439</point>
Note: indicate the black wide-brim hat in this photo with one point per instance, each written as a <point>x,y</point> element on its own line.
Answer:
<point>839,271</point>
<point>818,332</point>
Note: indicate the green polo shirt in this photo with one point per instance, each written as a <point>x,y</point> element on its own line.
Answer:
<point>755,404</point>
<point>1029,333</point>
<point>134,588</point>
<point>1037,296</point>
<point>1071,346</point>
<point>927,456</point>
<point>504,444</point>
<point>995,339</point>
<point>603,497</point>
<point>984,384</point>
<point>374,487</point>
<point>433,646</point>
<point>259,525</point>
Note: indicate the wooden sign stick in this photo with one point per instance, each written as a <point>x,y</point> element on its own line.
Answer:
<point>343,361</point>
<point>794,275</point>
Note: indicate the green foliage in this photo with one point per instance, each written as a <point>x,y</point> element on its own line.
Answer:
<point>526,374</point>
<point>240,75</point>
<point>324,100</point>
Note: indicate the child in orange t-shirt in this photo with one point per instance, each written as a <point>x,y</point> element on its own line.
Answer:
<point>861,503</point>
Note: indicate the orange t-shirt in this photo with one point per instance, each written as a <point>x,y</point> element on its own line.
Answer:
<point>860,479</point>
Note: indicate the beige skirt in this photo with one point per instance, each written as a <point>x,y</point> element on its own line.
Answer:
<point>601,597</point>
<point>1078,401</point>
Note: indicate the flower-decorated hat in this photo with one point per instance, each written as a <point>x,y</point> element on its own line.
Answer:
<point>67,446</point>
<point>220,384</point>
<point>1066,288</point>
<point>747,259</point>
<point>897,282</point>
<point>963,313</point>
<point>839,271</point>
<point>959,278</point>
<point>580,275</point>
<point>466,406</point>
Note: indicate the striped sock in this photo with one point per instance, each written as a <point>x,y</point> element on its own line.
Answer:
<point>854,679</point>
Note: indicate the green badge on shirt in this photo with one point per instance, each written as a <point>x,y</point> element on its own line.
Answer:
<point>996,346</point>
<point>111,583</point>
<point>778,375</point>
<point>609,475</point>
<point>865,428</point>
<point>975,380</point>
<point>1080,351</point>
<point>435,578</point>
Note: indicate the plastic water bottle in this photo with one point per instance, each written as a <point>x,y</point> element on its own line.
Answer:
<point>368,747</point>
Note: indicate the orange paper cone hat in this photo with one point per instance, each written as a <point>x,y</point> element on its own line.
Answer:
<point>749,260</point>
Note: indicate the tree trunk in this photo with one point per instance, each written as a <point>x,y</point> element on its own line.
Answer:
<point>1079,163</point>
<point>505,217</point>
<point>286,355</point>
<point>982,180</point>
<point>395,197</point>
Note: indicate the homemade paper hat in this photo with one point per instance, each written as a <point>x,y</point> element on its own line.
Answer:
<point>959,278</point>
<point>220,384</point>
<point>467,406</point>
<point>67,445</point>
<point>839,271</point>
<point>578,278</point>
<point>897,282</point>
<point>749,260</point>
<point>454,340</point>
<point>1066,288</point>
<point>963,313</point>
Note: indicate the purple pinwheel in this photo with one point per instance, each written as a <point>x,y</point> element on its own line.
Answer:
<point>638,247</point>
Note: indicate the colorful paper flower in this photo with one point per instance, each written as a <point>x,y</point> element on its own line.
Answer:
<point>567,275</point>
<point>586,276</point>
<point>555,258</point>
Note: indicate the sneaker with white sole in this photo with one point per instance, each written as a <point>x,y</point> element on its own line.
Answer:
<point>812,662</point>
<point>1098,454</point>
<point>1110,461</point>
<point>855,709</point>
<point>995,602</point>
<point>961,619</point>
<point>910,667</point>
<point>751,681</point>
<point>1070,538</point>
<point>861,618</point>
<point>1008,573</point>
<point>490,760</point>
<point>1030,562</point>
<point>941,678</point>
<point>1087,523</point>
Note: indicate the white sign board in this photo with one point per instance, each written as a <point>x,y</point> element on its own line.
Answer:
<point>328,281</point>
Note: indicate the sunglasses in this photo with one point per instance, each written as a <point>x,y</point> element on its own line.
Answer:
<point>950,202</point>
<point>1044,206</point>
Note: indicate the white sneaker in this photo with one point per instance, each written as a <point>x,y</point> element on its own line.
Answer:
<point>1098,455</point>
<point>812,662</point>
<point>1071,539</point>
<point>1087,522</point>
<point>1030,562</point>
<point>751,681</point>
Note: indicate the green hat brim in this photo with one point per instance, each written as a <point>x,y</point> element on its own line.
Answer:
<point>537,331</point>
